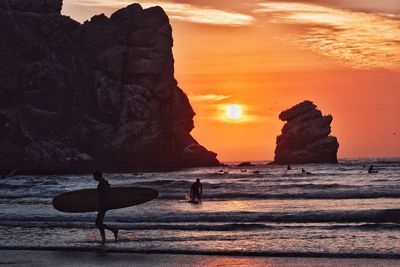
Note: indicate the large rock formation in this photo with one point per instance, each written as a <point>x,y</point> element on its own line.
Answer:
<point>99,95</point>
<point>305,137</point>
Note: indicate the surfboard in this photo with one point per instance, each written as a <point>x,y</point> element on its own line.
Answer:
<point>191,201</point>
<point>86,200</point>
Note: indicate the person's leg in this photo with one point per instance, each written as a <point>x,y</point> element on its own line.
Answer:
<point>101,226</point>
<point>114,230</point>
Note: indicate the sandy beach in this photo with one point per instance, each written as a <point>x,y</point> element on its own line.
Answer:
<point>64,258</point>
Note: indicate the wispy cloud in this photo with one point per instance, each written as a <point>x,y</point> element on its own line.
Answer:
<point>204,15</point>
<point>360,40</point>
<point>179,11</point>
<point>208,98</point>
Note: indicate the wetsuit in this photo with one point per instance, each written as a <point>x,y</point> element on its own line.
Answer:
<point>196,190</point>
<point>102,190</point>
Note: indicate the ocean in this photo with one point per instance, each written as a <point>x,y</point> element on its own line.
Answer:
<point>333,210</point>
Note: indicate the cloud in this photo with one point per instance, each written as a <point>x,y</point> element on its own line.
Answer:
<point>204,15</point>
<point>356,39</point>
<point>208,98</point>
<point>178,11</point>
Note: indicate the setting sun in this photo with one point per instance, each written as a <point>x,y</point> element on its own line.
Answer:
<point>234,112</point>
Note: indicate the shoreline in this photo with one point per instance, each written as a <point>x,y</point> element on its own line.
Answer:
<point>68,258</point>
<point>100,249</point>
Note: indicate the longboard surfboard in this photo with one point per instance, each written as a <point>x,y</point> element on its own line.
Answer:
<point>86,200</point>
<point>192,201</point>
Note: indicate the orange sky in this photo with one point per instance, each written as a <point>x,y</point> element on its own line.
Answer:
<point>270,55</point>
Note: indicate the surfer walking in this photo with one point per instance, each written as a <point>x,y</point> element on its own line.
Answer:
<point>102,189</point>
<point>196,191</point>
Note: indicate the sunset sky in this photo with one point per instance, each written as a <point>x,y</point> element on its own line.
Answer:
<point>266,56</point>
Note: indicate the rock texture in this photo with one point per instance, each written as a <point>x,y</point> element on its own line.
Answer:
<point>305,136</point>
<point>99,95</point>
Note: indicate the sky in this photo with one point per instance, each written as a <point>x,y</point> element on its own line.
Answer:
<point>266,56</point>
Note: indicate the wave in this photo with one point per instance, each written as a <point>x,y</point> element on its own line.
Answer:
<point>146,226</point>
<point>208,227</point>
<point>221,252</point>
<point>366,216</point>
<point>215,192</point>
<point>306,195</point>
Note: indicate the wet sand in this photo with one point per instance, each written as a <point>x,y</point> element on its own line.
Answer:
<point>68,258</point>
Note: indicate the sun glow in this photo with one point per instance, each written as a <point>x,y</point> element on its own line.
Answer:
<point>234,112</point>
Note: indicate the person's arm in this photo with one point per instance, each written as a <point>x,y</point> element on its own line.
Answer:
<point>201,190</point>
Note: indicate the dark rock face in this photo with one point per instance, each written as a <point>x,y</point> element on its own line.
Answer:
<point>99,95</point>
<point>305,137</point>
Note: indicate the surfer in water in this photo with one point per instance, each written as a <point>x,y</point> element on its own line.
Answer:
<point>372,170</point>
<point>102,189</point>
<point>196,191</point>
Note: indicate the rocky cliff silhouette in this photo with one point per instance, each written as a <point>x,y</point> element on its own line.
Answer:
<point>98,95</point>
<point>305,136</point>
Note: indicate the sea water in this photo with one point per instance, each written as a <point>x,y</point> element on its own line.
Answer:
<point>334,209</point>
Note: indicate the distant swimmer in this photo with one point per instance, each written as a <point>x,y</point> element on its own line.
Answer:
<point>303,170</point>
<point>196,191</point>
<point>372,170</point>
<point>102,189</point>
<point>222,172</point>
<point>289,167</point>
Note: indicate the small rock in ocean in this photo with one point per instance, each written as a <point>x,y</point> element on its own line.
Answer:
<point>305,137</point>
<point>245,164</point>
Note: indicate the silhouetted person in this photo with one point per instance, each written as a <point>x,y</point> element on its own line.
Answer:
<point>196,191</point>
<point>371,169</point>
<point>103,193</point>
<point>289,167</point>
<point>303,170</point>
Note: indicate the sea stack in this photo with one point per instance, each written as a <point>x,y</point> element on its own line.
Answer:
<point>305,136</point>
<point>102,94</point>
